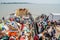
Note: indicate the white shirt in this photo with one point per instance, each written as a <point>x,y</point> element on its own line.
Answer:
<point>40,35</point>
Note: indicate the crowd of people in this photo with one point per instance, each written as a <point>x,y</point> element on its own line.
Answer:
<point>24,27</point>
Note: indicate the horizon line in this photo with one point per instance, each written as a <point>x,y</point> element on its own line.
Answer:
<point>22,3</point>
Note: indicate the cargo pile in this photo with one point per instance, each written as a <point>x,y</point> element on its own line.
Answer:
<point>22,26</point>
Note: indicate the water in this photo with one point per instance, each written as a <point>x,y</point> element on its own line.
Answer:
<point>34,9</point>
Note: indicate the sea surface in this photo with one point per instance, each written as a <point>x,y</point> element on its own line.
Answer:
<point>34,9</point>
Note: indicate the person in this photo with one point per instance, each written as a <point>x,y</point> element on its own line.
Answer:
<point>1,35</point>
<point>22,37</point>
<point>26,29</point>
<point>41,36</point>
<point>5,37</point>
<point>3,18</point>
<point>1,25</point>
<point>12,31</point>
<point>2,28</point>
<point>53,31</point>
<point>53,38</point>
<point>17,19</point>
<point>59,37</point>
<point>22,26</point>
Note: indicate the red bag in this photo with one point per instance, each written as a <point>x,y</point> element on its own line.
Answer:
<point>11,38</point>
<point>22,38</point>
<point>22,26</point>
<point>36,37</point>
<point>11,19</point>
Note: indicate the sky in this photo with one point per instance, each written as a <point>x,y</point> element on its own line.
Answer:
<point>34,1</point>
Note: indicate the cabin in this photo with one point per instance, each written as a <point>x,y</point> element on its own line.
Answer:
<point>55,17</point>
